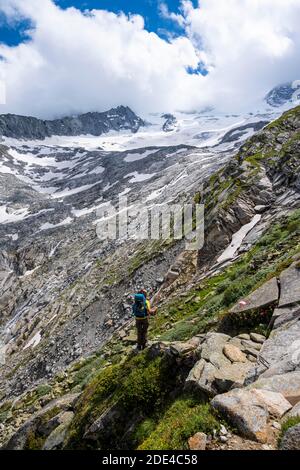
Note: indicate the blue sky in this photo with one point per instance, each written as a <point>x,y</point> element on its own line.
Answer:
<point>149,9</point>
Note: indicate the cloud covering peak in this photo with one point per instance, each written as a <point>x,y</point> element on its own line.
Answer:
<point>76,61</point>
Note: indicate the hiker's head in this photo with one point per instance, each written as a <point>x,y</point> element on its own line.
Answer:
<point>144,292</point>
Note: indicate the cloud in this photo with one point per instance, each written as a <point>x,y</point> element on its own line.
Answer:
<point>78,61</point>
<point>249,46</point>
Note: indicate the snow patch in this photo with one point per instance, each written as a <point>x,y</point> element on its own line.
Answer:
<point>48,225</point>
<point>34,341</point>
<point>237,240</point>
<point>139,177</point>
<point>16,216</point>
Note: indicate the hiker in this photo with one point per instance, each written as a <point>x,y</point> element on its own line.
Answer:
<point>142,310</point>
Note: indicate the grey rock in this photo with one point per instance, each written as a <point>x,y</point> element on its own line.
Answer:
<point>56,439</point>
<point>251,345</point>
<point>244,411</point>
<point>231,376</point>
<point>283,347</point>
<point>284,315</point>
<point>257,338</point>
<point>294,412</point>
<point>201,378</point>
<point>214,343</point>
<point>289,286</point>
<point>287,384</point>
<point>108,416</point>
<point>291,439</point>
<point>19,440</point>
<point>265,295</point>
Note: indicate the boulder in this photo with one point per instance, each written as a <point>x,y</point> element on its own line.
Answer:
<point>275,402</point>
<point>201,378</point>
<point>257,338</point>
<point>198,441</point>
<point>291,439</point>
<point>218,360</point>
<point>265,295</point>
<point>233,353</point>
<point>289,286</point>
<point>214,343</point>
<point>245,411</point>
<point>231,376</point>
<point>251,344</point>
<point>172,275</point>
<point>244,336</point>
<point>294,412</point>
<point>286,384</point>
<point>180,348</point>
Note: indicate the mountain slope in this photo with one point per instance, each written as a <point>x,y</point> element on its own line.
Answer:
<point>129,401</point>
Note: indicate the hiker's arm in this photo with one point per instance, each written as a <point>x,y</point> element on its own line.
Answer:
<point>152,310</point>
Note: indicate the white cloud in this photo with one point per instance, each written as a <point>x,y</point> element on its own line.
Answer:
<point>249,46</point>
<point>78,62</point>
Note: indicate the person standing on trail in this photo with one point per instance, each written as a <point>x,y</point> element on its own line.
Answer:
<point>142,310</point>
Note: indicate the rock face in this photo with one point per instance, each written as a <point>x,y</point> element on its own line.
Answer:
<point>170,124</point>
<point>281,350</point>
<point>284,315</point>
<point>289,286</point>
<point>294,412</point>
<point>56,438</point>
<point>291,439</point>
<point>249,411</point>
<point>281,94</point>
<point>266,295</point>
<point>50,424</point>
<point>21,127</point>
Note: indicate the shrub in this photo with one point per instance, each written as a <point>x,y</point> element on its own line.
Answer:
<point>182,420</point>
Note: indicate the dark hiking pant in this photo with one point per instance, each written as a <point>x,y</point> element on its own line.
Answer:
<point>142,327</point>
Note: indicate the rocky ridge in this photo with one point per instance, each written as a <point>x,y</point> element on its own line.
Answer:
<point>116,119</point>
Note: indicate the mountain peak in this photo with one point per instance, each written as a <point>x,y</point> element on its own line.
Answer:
<point>91,123</point>
<point>284,93</point>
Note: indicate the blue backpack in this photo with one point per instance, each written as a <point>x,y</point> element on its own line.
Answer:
<point>139,307</point>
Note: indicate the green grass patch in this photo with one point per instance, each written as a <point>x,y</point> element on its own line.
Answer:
<point>182,420</point>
